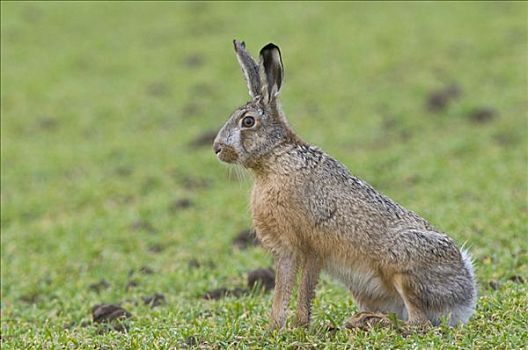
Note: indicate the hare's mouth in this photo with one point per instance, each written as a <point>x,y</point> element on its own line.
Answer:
<point>227,154</point>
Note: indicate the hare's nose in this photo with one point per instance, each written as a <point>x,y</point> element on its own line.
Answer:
<point>217,147</point>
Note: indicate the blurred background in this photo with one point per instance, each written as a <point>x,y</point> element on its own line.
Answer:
<point>108,111</point>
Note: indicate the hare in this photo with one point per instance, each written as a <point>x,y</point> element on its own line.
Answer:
<point>313,215</point>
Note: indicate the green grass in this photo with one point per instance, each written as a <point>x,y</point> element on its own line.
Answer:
<point>100,101</point>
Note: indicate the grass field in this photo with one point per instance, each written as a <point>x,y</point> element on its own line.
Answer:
<point>111,192</point>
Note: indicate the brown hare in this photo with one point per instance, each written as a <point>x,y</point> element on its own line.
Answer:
<point>313,215</point>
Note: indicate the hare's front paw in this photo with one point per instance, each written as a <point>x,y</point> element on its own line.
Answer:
<point>276,324</point>
<point>301,321</point>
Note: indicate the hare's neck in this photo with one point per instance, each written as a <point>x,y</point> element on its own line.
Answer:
<point>285,156</point>
<point>286,159</point>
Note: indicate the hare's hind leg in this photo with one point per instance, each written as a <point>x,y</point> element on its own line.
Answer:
<point>434,291</point>
<point>386,305</point>
<point>417,314</point>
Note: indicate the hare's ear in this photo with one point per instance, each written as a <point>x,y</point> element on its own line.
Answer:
<point>250,69</point>
<point>271,71</point>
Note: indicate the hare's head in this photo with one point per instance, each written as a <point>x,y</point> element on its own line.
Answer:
<point>256,128</point>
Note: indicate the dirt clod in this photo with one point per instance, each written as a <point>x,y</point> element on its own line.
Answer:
<point>99,286</point>
<point>123,171</point>
<point>111,316</point>
<point>482,115</point>
<point>439,100</point>
<point>193,183</point>
<point>506,139</point>
<point>193,264</point>
<point>330,328</point>
<point>516,279</point>
<point>245,239</point>
<point>131,284</point>
<point>156,248</point>
<point>108,313</point>
<point>494,284</point>
<point>47,123</point>
<point>223,292</point>
<point>157,89</point>
<point>72,324</point>
<point>194,60</point>
<point>261,277</point>
<point>203,89</point>
<point>148,184</point>
<point>142,225</point>
<point>193,341</point>
<point>196,264</point>
<point>180,204</point>
<point>154,300</point>
<point>30,298</point>
<point>192,109</point>
<point>144,270</point>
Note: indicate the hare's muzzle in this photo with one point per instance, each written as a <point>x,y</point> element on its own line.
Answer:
<point>225,152</point>
<point>217,148</point>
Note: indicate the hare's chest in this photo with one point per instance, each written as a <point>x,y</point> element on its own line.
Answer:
<point>274,215</point>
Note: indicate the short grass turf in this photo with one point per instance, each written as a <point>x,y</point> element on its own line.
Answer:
<point>109,196</point>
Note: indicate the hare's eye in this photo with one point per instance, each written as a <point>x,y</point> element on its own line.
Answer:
<point>248,122</point>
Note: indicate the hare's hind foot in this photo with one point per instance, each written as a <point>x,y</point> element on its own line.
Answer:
<point>365,320</point>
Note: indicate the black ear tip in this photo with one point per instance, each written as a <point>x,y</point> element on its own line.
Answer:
<point>269,47</point>
<point>239,44</point>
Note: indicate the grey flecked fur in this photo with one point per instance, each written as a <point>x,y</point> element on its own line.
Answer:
<point>313,215</point>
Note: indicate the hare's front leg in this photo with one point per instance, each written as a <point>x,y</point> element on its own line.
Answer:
<point>286,267</point>
<point>311,268</point>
